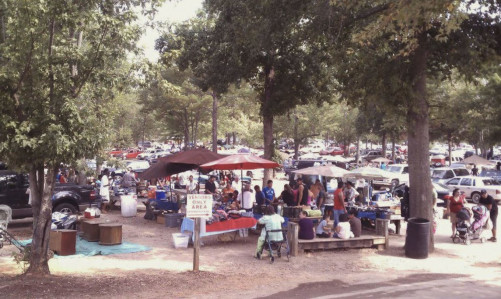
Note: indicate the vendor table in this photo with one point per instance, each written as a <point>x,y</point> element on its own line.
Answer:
<point>217,228</point>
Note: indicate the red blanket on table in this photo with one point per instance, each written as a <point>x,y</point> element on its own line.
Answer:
<point>244,222</point>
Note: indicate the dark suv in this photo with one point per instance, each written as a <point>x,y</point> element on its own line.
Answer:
<point>70,198</point>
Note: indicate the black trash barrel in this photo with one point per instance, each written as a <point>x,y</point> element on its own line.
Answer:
<point>417,239</point>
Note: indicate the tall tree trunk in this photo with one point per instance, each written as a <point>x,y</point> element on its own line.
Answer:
<point>297,142</point>
<point>186,127</point>
<point>449,143</point>
<point>214,122</point>
<point>419,140</point>
<point>41,189</point>
<point>393,148</point>
<point>268,144</point>
<point>268,120</point>
<point>228,139</point>
<point>383,141</point>
<point>234,137</point>
<point>357,156</point>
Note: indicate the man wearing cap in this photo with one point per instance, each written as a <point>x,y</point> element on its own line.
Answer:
<point>492,206</point>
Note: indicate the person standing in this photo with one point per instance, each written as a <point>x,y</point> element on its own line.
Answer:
<point>454,205</point>
<point>259,195</point>
<point>339,205</point>
<point>287,196</point>
<point>210,185</point>
<point>191,187</point>
<point>236,184</point>
<point>349,193</point>
<point>246,198</point>
<point>129,180</point>
<point>104,191</point>
<point>491,204</point>
<point>474,170</point>
<point>303,193</point>
<point>269,193</point>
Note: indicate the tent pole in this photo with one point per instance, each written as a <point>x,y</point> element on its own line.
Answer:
<point>241,186</point>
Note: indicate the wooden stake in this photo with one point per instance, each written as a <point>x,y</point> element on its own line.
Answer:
<point>196,246</point>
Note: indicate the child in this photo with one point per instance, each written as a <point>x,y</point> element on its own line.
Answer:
<point>322,230</point>
<point>343,230</point>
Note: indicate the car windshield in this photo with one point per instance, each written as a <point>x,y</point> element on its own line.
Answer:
<point>395,169</point>
<point>438,174</point>
<point>491,182</point>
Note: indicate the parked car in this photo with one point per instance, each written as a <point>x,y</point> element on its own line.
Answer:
<point>154,158</point>
<point>371,155</point>
<point>144,144</point>
<point>399,174</point>
<point>472,185</point>
<point>491,173</point>
<point>332,151</point>
<point>443,174</point>
<point>131,154</point>
<point>67,198</point>
<point>116,152</point>
<point>144,155</point>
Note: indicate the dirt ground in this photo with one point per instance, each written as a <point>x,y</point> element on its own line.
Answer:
<point>229,269</point>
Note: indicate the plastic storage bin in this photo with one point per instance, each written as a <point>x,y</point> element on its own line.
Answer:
<point>128,205</point>
<point>180,240</point>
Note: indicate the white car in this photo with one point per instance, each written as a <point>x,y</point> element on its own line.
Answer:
<point>398,174</point>
<point>146,154</point>
<point>472,185</point>
<point>444,174</point>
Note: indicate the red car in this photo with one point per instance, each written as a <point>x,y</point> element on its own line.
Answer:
<point>131,154</point>
<point>332,151</point>
<point>116,152</point>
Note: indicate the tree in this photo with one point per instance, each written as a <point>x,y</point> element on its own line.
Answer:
<point>274,52</point>
<point>60,67</point>
<point>171,97</point>
<point>393,47</point>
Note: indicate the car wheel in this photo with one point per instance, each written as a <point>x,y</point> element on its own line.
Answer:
<point>66,208</point>
<point>475,197</point>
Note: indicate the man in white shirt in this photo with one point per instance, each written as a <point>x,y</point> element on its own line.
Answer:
<point>191,187</point>
<point>247,202</point>
<point>237,184</point>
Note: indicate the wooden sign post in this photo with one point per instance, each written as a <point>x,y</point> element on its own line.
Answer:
<point>198,206</point>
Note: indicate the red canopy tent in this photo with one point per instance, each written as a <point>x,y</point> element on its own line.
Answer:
<point>240,161</point>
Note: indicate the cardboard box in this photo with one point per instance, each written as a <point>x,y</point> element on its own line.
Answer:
<point>161,219</point>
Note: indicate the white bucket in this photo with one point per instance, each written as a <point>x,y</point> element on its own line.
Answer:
<point>128,205</point>
<point>180,240</point>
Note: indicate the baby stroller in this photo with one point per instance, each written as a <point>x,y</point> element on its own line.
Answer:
<point>467,232</point>
<point>276,245</point>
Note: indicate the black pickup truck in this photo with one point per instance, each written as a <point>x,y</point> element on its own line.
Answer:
<point>70,198</point>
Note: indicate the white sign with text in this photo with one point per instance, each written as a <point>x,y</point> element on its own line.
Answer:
<point>199,206</point>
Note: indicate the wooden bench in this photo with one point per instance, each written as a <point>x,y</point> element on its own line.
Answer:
<point>297,245</point>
